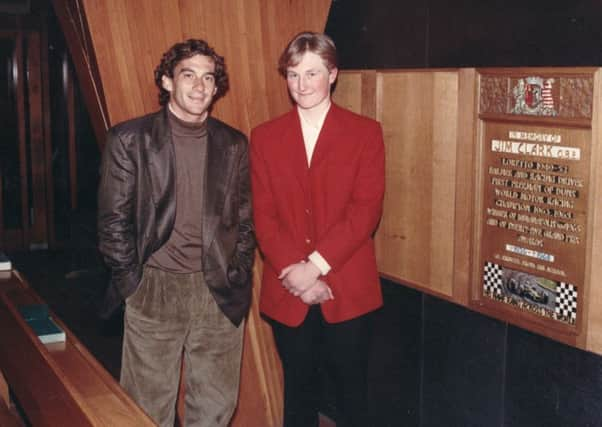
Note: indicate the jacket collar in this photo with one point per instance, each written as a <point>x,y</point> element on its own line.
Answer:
<point>161,133</point>
<point>330,136</point>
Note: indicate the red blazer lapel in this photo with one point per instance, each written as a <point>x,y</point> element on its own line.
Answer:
<point>292,139</point>
<point>330,136</point>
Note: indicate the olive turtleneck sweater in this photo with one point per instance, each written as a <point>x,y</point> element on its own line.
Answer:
<point>183,251</point>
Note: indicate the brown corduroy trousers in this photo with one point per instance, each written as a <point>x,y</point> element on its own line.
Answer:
<point>171,316</point>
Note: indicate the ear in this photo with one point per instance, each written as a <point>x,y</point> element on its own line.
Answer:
<point>332,75</point>
<point>167,83</point>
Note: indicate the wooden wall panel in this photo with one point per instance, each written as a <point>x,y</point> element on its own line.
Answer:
<point>429,233</point>
<point>466,167</point>
<point>424,141</point>
<point>418,111</point>
<point>129,38</point>
<point>356,91</point>
<point>348,91</point>
<point>593,266</point>
<point>428,123</point>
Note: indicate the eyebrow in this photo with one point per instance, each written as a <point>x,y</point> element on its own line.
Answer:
<point>184,69</point>
<point>187,69</point>
<point>306,71</point>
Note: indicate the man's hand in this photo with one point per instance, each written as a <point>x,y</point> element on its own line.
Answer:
<point>299,277</point>
<point>317,294</point>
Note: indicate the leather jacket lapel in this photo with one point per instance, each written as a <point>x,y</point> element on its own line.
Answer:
<point>160,158</point>
<point>219,170</point>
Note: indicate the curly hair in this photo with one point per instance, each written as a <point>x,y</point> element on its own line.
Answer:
<point>184,50</point>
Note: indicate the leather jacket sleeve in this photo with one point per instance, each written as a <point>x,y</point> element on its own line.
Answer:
<point>116,205</point>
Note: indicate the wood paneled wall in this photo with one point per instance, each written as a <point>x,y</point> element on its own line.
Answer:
<point>593,264</point>
<point>428,235</point>
<point>128,39</point>
<point>426,203</point>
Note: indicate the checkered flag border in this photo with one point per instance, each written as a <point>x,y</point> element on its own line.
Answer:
<point>492,279</point>
<point>566,301</point>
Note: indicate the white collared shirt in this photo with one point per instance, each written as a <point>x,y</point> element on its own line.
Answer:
<point>311,132</point>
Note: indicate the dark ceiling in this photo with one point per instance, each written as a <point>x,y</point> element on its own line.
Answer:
<point>466,33</point>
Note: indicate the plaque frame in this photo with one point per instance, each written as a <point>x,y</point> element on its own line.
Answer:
<point>519,230</point>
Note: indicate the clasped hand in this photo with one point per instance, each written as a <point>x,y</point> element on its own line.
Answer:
<point>301,279</point>
<point>317,294</point>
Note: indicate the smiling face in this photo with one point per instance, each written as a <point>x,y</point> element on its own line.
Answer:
<point>309,82</point>
<point>192,88</point>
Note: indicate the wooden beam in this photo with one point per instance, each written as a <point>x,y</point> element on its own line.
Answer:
<point>73,24</point>
<point>39,228</point>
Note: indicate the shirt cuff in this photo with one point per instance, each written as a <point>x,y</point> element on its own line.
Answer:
<point>319,262</point>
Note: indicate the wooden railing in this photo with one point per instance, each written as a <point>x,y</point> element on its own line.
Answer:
<point>56,384</point>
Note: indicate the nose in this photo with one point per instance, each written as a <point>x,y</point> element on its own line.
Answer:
<point>199,83</point>
<point>301,84</point>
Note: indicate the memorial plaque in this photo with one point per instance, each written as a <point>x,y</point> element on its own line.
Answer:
<point>535,162</point>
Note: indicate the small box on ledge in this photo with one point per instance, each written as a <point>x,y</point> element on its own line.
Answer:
<point>5,264</point>
<point>40,321</point>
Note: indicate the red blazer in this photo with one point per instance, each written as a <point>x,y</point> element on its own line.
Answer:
<point>333,207</point>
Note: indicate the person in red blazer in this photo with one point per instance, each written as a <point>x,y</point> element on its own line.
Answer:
<point>318,183</point>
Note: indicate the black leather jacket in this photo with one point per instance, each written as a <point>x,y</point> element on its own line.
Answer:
<point>137,208</point>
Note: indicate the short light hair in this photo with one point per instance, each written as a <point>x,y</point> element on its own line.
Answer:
<point>308,41</point>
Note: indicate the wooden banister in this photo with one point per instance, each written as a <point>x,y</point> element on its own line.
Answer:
<point>57,384</point>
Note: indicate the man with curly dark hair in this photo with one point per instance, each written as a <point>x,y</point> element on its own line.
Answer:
<point>181,51</point>
<point>175,230</point>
